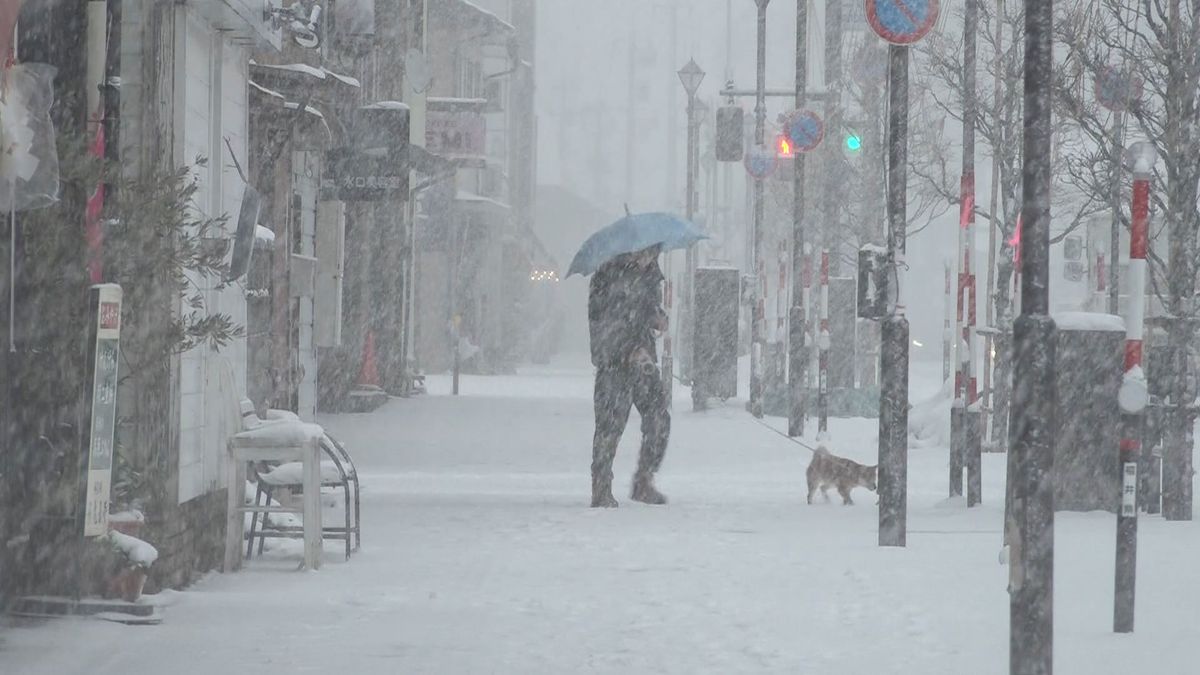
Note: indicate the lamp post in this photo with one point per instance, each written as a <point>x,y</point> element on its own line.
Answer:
<point>760,134</point>
<point>690,75</point>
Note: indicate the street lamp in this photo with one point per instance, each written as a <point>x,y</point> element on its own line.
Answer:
<point>690,75</point>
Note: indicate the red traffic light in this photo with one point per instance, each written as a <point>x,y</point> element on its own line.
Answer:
<point>783,147</point>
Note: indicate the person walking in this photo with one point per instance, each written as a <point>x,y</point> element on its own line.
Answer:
<point>625,315</point>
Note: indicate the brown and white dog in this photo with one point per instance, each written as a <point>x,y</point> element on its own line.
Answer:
<point>826,470</point>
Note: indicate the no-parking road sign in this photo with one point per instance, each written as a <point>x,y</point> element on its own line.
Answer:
<point>902,22</point>
<point>805,129</point>
<point>761,161</point>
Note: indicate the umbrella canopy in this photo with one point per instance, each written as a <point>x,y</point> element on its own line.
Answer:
<point>634,233</point>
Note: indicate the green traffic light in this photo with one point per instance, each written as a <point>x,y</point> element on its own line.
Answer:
<point>853,142</point>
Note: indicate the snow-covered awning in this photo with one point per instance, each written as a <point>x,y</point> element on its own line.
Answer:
<point>265,91</point>
<point>344,79</point>
<point>470,11</point>
<point>451,103</point>
<point>386,105</point>
<point>487,204</point>
<point>299,68</point>
<point>318,73</point>
<point>1089,321</point>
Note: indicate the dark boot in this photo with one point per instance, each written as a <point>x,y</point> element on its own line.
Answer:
<point>644,490</point>
<point>602,496</point>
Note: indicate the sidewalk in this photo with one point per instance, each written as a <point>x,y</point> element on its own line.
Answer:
<point>480,556</point>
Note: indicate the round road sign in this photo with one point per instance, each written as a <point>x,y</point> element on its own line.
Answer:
<point>805,130</point>
<point>761,161</point>
<point>902,22</point>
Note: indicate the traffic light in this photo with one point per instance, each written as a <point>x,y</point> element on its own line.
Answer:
<point>730,131</point>
<point>853,141</point>
<point>783,147</point>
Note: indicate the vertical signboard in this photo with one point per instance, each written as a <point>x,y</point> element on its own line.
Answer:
<point>104,337</point>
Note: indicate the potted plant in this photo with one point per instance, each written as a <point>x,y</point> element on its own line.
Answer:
<point>132,558</point>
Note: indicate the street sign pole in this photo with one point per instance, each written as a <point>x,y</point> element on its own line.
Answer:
<point>893,400</point>
<point>901,23</point>
<point>1031,562</point>
<point>100,400</point>
<point>796,351</point>
<point>758,308</point>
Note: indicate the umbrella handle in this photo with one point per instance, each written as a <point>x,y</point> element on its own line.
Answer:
<point>627,213</point>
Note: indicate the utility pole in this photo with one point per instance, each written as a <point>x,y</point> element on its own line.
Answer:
<point>833,120</point>
<point>388,264</point>
<point>691,75</point>
<point>631,108</point>
<point>672,112</point>
<point>990,288</point>
<point>966,434</point>
<point>796,348</point>
<point>894,336</point>
<point>1031,563</point>
<point>760,133</point>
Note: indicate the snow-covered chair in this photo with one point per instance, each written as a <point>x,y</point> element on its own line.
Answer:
<point>281,441</point>
<point>337,472</point>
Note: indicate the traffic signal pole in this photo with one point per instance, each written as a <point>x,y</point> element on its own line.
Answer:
<point>1031,433</point>
<point>894,337</point>
<point>760,131</point>
<point>797,356</point>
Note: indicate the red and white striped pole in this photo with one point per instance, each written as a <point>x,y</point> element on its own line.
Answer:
<point>823,345</point>
<point>963,435</point>
<point>947,324</point>
<point>1134,394</point>
<point>809,312</point>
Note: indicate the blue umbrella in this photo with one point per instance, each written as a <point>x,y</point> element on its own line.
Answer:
<point>632,233</point>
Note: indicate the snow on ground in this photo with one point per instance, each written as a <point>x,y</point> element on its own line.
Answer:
<point>480,556</point>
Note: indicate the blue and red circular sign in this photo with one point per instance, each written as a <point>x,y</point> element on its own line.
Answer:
<point>805,129</point>
<point>902,22</point>
<point>761,161</point>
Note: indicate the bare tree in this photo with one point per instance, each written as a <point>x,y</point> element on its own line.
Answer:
<point>1159,42</point>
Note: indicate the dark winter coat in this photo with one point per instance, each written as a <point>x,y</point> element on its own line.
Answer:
<point>624,304</point>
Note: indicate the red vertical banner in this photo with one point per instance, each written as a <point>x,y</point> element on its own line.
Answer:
<point>93,231</point>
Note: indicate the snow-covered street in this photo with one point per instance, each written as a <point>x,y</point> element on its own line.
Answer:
<point>481,556</point>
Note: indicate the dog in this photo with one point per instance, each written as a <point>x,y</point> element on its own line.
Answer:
<point>826,470</point>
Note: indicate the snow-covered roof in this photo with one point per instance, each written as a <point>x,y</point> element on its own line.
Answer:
<point>269,92</point>
<point>458,101</point>
<point>302,68</point>
<point>344,79</point>
<point>488,15</point>
<point>292,105</point>
<point>1089,321</point>
<point>386,105</point>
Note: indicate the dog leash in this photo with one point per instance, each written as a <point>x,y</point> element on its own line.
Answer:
<point>785,436</point>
